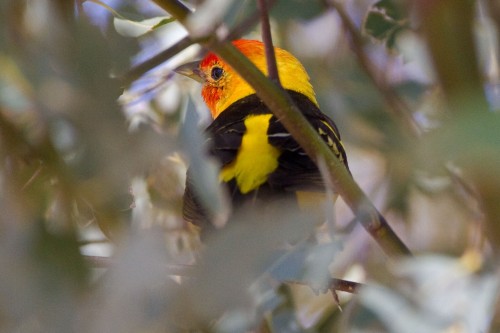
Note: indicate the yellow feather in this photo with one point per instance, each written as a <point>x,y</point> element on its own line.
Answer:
<point>255,159</point>
<point>293,76</point>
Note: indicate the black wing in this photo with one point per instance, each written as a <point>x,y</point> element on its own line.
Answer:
<point>296,171</point>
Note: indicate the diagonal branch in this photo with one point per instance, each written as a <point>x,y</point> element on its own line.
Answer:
<point>272,68</point>
<point>284,109</point>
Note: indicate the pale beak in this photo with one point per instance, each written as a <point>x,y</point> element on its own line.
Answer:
<point>192,71</point>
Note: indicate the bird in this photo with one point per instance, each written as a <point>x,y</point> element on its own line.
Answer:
<point>259,159</point>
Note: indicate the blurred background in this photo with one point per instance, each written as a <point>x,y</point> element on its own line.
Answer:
<point>96,133</point>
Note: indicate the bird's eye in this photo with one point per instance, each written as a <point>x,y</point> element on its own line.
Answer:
<point>216,73</point>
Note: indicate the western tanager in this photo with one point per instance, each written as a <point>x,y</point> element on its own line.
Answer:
<point>259,159</point>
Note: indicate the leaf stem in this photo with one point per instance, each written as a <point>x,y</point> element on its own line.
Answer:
<point>335,285</point>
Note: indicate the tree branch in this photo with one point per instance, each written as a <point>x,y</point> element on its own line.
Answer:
<point>345,285</point>
<point>284,109</point>
<point>334,285</point>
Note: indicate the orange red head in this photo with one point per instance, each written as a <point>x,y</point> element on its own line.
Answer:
<point>222,86</point>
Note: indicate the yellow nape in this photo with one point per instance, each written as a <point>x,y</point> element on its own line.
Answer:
<point>292,75</point>
<point>256,158</point>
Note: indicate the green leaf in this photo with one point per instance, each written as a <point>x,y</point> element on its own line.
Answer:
<point>384,21</point>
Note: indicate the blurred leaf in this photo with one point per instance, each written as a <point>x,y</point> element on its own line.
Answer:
<point>238,11</point>
<point>284,318</point>
<point>314,310</point>
<point>43,278</point>
<point>107,7</point>
<point>116,13</point>
<point>207,16</point>
<point>59,259</point>
<point>440,286</point>
<point>354,103</point>
<point>384,21</point>
<point>401,175</point>
<point>384,303</point>
<point>136,293</point>
<point>203,172</point>
<point>235,260</point>
<point>308,263</point>
<point>492,91</point>
<point>449,27</point>
<point>285,10</point>
<point>472,142</point>
<point>412,90</point>
<point>4,12</point>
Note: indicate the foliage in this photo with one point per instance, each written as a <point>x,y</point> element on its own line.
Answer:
<point>95,138</point>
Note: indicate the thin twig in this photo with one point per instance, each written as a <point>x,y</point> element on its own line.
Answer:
<point>33,177</point>
<point>345,285</point>
<point>272,68</point>
<point>334,285</point>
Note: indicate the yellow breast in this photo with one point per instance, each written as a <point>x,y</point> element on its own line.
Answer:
<point>256,158</point>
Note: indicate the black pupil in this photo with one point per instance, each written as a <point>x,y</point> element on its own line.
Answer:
<point>216,73</point>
